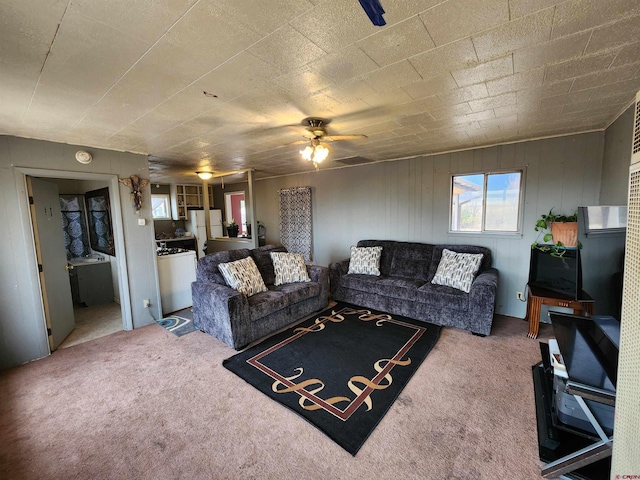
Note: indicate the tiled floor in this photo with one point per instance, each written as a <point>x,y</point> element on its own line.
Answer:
<point>94,322</point>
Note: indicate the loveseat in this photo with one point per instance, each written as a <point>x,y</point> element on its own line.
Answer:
<point>404,285</point>
<point>237,319</point>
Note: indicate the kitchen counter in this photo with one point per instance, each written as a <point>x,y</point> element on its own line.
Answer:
<point>220,244</point>
<point>232,239</point>
<point>174,239</point>
<point>179,242</point>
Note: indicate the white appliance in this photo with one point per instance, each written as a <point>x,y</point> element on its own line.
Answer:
<point>215,222</point>
<point>176,272</point>
<point>195,224</point>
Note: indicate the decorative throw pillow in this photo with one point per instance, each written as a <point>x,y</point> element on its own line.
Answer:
<point>243,276</point>
<point>457,270</point>
<point>365,260</point>
<point>289,268</point>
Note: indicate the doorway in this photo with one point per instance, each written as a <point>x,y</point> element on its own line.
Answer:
<point>236,210</point>
<point>90,319</point>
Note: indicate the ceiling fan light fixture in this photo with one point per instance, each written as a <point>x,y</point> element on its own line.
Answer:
<point>315,152</point>
<point>205,175</point>
<point>321,153</point>
<point>307,153</point>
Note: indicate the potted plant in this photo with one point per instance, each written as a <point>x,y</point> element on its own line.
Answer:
<point>561,232</point>
<point>232,228</point>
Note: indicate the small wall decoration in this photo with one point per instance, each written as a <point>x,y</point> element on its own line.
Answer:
<point>136,184</point>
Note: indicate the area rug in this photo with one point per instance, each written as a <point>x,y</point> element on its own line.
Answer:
<point>177,325</point>
<point>341,370</point>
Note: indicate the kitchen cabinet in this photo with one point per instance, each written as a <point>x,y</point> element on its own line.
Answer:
<point>91,283</point>
<point>188,196</point>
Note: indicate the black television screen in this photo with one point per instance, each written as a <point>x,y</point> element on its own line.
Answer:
<point>589,348</point>
<point>558,273</point>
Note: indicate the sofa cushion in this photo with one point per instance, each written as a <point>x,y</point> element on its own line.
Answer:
<point>457,270</point>
<point>396,287</point>
<point>262,257</point>
<point>280,297</point>
<point>365,260</point>
<point>358,282</point>
<point>289,268</point>
<point>388,247</point>
<point>411,260</point>
<point>437,255</point>
<point>208,265</point>
<point>243,276</point>
<point>442,297</point>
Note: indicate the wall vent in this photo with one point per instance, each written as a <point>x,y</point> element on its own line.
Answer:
<point>635,148</point>
<point>626,447</point>
<point>353,161</point>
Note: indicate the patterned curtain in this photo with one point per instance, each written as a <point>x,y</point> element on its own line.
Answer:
<point>74,226</point>
<point>295,220</point>
<point>100,221</point>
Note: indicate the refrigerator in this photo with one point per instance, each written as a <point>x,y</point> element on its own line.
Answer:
<point>215,221</point>
<point>195,224</point>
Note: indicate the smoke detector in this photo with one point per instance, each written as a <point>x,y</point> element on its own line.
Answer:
<point>83,157</point>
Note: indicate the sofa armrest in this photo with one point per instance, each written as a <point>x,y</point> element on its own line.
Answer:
<point>219,310</point>
<point>341,267</point>
<point>337,270</point>
<point>482,301</point>
<point>321,276</point>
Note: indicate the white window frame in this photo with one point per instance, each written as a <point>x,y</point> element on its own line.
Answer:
<point>167,200</point>
<point>482,231</point>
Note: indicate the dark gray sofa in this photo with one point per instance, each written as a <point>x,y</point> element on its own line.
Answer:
<point>404,286</point>
<point>238,320</point>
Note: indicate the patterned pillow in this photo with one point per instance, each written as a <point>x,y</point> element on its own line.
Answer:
<point>243,276</point>
<point>289,268</point>
<point>365,260</point>
<point>457,270</point>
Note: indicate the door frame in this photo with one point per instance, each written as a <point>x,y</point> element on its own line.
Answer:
<point>20,174</point>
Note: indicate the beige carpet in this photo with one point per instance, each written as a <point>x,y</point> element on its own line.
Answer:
<point>149,405</point>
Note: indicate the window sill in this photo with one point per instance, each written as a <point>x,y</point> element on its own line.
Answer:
<point>514,235</point>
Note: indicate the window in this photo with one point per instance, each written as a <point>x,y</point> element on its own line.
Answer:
<point>486,202</point>
<point>161,206</point>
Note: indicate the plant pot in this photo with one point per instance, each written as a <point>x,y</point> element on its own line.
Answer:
<point>233,231</point>
<point>565,232</point>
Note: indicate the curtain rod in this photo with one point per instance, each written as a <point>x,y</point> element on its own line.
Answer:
<point>292,189</point>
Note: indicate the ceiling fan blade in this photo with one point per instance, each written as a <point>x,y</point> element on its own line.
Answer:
<point>299,142</point>
<point>337,138</point>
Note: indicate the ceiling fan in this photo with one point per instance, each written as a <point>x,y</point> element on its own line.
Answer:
<point>316,135</point>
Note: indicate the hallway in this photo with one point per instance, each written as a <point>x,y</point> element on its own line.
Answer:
<point>94,322</point>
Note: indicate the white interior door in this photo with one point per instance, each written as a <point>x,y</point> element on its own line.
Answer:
<point>52,256</point>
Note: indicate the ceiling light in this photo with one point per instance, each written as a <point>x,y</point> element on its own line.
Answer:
<point>205,175</point>
<point>315,152</point>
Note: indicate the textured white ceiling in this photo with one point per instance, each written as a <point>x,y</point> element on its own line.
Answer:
<point>441,75</point>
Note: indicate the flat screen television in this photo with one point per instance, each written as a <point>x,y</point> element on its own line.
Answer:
<point>557,273</point>
<point>589,348</point>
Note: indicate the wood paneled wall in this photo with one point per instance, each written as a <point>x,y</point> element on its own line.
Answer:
<point>22,327</point>
<point>409,200</point>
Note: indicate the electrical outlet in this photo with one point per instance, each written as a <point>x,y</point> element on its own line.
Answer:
<point>146,302</point>
<point>520,296</point>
